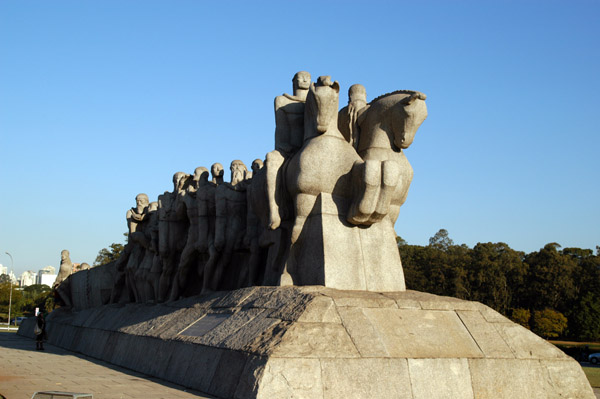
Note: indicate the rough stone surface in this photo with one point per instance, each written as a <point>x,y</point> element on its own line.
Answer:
<point>317,342</point>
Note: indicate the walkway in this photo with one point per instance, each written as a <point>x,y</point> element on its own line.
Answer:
<point>23,371</point>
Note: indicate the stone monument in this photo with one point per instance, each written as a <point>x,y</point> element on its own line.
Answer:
<point>286,282</point>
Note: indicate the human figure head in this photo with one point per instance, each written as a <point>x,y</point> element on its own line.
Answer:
<point>357,93</point>
<point>64,255</point>
<point>238,171</point>
<point>257,165</point>
<point>217,173</point>
<point>141,202</point>
<point>200,175</point>
<point>179,180</point>
<point>301,80</point>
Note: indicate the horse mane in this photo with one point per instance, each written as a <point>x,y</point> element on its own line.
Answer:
<point>392,93</point>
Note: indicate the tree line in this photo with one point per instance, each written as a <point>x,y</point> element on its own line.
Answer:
<point>24,301</point>
<point>555,292</point>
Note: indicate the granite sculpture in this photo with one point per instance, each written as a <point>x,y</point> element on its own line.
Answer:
<point>61,287</point>
<point>319,210</point>
<point>314,225</point>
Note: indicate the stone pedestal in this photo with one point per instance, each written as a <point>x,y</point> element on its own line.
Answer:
<point>332,252</point>
<point>316,342</point>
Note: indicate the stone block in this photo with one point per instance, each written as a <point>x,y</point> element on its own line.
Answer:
<point>230,326</point>
<point>201,368</point>
<point>365,378</point>
<point>321,309</point>
<point>525,344</point>
<point>566,379</point>
<point>316,340</point>
<point>362,299</point>
<point>291,378</point>
<point>228,373</point>
<point>440,378</point>
<point>364,335</point>
<point>521,378</point>
<point>248,385</point>
<point>383,269</point>
<point>411,333</point>
<point>485,335</point>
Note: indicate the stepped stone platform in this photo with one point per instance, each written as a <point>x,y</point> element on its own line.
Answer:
<point>316,342</point>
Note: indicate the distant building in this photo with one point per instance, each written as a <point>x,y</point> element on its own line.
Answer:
<point>47,275</point>
<point>27,278</point>
<point>3,269</point>
<point>47,279</point>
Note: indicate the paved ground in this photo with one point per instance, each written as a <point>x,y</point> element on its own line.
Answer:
<point>23,371</point>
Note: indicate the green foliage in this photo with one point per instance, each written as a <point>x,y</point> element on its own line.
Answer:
<point>549,323</point>
<point>585,320</point>
<point>110,254</point>
<point>521,316</point>
<point>441,240</point>
<point>516,284</point>
<point>4,278</point>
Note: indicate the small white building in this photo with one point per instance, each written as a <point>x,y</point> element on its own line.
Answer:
<point>47,279</point>
<point>47,275</point>
<point>27,278</point>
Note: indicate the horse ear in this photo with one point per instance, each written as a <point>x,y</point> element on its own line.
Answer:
<point>336,86</point>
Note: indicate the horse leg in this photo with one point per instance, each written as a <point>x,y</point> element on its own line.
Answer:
<point>366,178</point>
<point>390,177</point>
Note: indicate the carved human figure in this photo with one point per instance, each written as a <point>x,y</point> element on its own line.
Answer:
<point>125,267</point>
<point>142,278</point>
<point>348,117</point>
<point>289,136</point>
<point>136,219</point>
<point>217,172</point>
<point>230,224</point>
<point>172,230</point>
<point>137,214</point>
<point>205,198</point>
<point>65,270</point>
<point>253,232</point>
<point>189,254</point>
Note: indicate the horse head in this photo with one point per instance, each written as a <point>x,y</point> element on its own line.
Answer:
<point>321,109</point>
<point>410,113</point>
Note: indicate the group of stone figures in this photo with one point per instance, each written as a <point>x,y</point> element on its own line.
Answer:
<point>320,209</point>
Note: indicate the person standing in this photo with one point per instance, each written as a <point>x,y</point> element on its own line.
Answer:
<point>40,331</point>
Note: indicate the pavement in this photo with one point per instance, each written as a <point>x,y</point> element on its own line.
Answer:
<point>24,370</point>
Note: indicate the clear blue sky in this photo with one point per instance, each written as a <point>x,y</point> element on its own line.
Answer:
<point>102,100</point>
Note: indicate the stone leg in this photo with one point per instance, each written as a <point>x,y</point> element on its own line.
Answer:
<point>186,264</point>
<point>366,178</point>
<point>390,176</point>
<point>273,163</point>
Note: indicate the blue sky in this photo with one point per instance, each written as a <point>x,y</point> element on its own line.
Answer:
<point>102,100</point>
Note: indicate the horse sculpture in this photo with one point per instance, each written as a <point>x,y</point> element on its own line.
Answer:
<point>387,127</point>
<point>339,231</point>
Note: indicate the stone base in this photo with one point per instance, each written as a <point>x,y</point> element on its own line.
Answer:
<point>315,342</point>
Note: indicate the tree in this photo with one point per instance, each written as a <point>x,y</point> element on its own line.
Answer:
<point>441,240</point>
<point>4,278</point>
<point>521,316</point>
<point>495,273</point>
<point>401,241</point>
<point>584,323</point>
<point>549,323</point>
<point>550,279</point>
<point>107,255</point>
